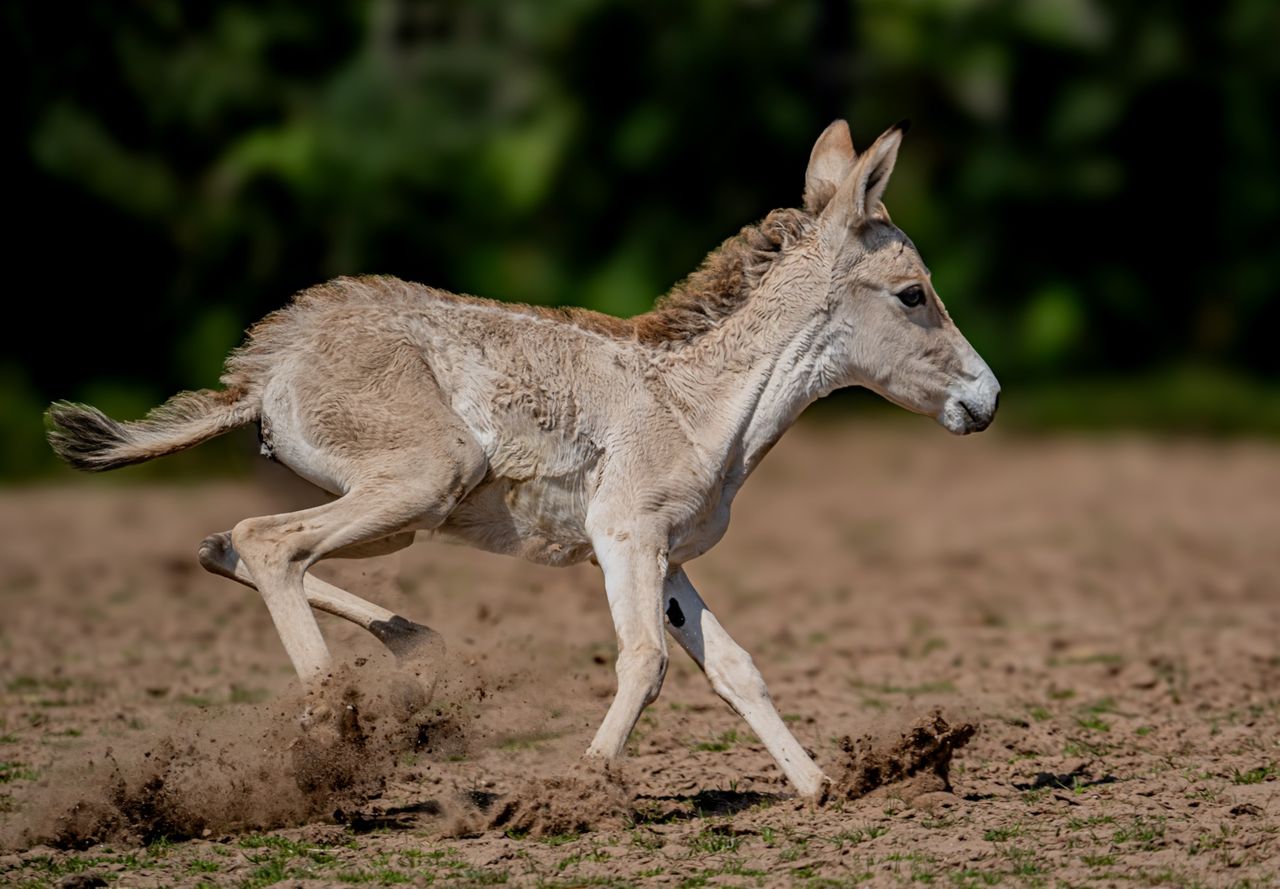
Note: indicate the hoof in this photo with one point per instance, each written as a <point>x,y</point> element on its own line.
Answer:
<point>214,554</point>
<point>331,750</point>
<point>349,728</point>
<point>419,653</point>
<point>407,640</point>
<point>822,795</point>
<point>343,724</point>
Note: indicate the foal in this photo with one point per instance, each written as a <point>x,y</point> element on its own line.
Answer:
<point>562,435</point>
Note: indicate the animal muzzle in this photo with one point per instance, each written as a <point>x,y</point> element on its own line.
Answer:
<point>971,407</point>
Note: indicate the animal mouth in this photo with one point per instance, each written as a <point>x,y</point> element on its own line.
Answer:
<point>962,418</point>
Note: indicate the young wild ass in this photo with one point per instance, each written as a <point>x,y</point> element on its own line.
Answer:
<point>563,435</point>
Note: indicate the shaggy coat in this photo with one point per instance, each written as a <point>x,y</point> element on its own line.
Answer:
<point>559,435</point>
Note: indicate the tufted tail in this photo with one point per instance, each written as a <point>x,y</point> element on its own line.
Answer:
<point>89,440</point>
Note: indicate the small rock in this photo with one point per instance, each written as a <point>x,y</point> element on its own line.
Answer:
<point>1246,809</point>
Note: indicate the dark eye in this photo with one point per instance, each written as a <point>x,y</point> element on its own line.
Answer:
<point>912,296</point>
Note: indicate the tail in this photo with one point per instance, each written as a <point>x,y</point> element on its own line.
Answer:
<point>89,440</point>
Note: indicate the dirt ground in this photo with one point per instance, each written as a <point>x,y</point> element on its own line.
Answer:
<point>1106,612</point>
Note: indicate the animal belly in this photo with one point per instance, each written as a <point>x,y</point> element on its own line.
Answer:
<point>542,521</point>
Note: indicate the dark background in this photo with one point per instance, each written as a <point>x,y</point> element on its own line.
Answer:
<point>1095,185</point>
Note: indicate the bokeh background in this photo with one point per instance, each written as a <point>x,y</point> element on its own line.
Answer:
<point>1094,184</point>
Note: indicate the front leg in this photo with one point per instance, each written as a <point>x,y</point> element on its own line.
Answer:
<point>634,561</point>
<point>735,678</point>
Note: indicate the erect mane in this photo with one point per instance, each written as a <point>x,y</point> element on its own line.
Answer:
<point>719,287</point>
<point>724,281</point>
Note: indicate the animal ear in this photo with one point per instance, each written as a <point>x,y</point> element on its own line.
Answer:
<point>829,163</point>
<point>860,193</point>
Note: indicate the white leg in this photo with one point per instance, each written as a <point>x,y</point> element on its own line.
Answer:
<point>277,551</point>
<point>735,678</point>
<point>219,556</point>
<point>633,570</point>
<point>403,637</point>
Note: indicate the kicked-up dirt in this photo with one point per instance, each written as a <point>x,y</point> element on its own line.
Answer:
<point>1040,661</point>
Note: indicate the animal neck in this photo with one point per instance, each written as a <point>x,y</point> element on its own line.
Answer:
<point>724,284</point>
<point>746,382</point>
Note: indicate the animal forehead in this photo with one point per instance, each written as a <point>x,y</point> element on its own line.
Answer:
<point>887,249</point>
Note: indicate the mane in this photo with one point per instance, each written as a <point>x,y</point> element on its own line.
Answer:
<point>724,282</point>
<point>715,290</point>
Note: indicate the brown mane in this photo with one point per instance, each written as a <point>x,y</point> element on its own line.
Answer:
<point>724,281</point>
<point>711,293</point>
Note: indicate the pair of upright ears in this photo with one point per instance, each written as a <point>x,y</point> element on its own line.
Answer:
<point>844,186</point>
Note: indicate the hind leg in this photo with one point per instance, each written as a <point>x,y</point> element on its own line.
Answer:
<point>384,497</point>
<point>366,419</point>
<point>404,638</point>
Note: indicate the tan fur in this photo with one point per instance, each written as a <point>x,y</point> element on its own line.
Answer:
<point>723,282</point>
<point>558,435</point>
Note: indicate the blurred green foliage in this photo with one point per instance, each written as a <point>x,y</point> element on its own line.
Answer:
<point>1093,184</point>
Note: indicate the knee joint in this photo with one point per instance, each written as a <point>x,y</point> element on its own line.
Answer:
<point>735,674</point>
<point>261,546</point>
<point>646,665</point>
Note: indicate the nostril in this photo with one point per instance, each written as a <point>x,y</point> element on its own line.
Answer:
<point>979,420</point>
<point>995,405</point>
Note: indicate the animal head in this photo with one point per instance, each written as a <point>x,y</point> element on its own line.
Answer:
<point>893,335</point>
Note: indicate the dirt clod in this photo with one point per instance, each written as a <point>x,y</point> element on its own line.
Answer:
<point>583,800</point>
<point>217,773</point>
<point>916,763</point>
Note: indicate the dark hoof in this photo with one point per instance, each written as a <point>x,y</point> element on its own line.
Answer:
<point>408,641</point>
<point>419,653</point>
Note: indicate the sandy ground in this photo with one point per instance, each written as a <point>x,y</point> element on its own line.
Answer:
<point>1106,612</point>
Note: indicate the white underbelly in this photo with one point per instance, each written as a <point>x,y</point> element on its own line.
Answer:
<point>541,520</point>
